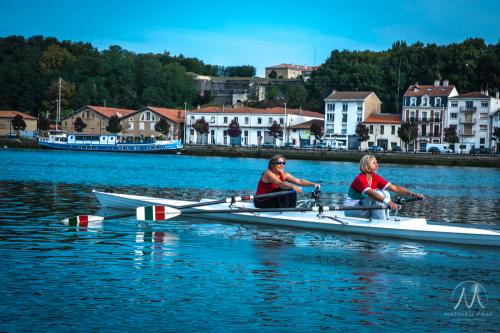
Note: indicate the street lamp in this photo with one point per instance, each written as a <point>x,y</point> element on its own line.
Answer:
<point>284,135</point>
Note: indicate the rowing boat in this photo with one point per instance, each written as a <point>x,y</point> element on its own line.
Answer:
<point>333,221</point>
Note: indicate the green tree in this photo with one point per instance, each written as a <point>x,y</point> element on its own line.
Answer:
<point>114,125</point>
<point>275,130</point>
<point>43,124</point>
<point>408,133</point>
<point>273,74</point>
<point>317,129</point>
<point>18,124</point>
<point>162,126</point>
<point>362,132</point>
<point>297,96</point>
<point>450,135</point>
<point>79,124</point>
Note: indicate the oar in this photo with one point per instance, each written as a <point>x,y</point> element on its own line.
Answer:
<point>160,213</point>
<point>84,220</point>
<point>404,200</point>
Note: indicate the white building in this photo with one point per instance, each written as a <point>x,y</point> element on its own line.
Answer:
<point>426,106</point>
<point>344,110</point>
<point>473,117</point>
<point>300,134</point>
<point>383,131</point>
<point>253,123</point>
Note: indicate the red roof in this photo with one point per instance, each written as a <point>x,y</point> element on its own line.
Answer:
<point>249,110</point>
<point>177,116</point>
<point>474,94</point>
<point>12,114</point>
<point>429,90</point>
<point>109,112</point>
<point>384,119</point>
<point>349,95</point>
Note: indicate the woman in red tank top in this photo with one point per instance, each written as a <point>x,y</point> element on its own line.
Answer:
<point>276,179</point>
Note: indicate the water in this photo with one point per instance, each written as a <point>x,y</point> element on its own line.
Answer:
<point>200,275</point>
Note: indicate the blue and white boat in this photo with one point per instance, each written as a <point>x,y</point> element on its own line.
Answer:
<point>108,142</point>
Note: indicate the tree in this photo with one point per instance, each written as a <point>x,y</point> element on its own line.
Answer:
<point>275,130</point>
<point>79,125</point>
<point>408,133</point>
<point>362,132</point>
<point>162,126</point>
<point>317,129</point>
<point>450,135</point>
<point>273,74</point>
<point>201,126</point>
<point>234,130</point>
<point>114,125</point>
<point>43,124</point>
<point>18,123</point>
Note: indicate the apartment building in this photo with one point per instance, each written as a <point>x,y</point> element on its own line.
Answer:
<point>6,129</point>
<point>383,131</point>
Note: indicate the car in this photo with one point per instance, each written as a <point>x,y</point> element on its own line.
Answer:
<point>267,145</point>
<point>396,148</point>
<point>434,150</point>
<point>321,145</point>
<point>376,149</point>
<point>481,151</point>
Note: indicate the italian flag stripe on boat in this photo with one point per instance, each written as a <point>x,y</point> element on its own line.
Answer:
<point>79,221</point>
<point>156,213</point>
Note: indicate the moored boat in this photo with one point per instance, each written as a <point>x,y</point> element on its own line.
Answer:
<point>105,142</point>
<point>336,221</point>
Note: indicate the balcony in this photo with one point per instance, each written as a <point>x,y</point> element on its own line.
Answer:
<point>468,121</point>
<point>468,109</point>
<point>467,133</point>
<point>436,120</point>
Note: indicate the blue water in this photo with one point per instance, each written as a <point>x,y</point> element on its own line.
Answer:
<point>200,275</point>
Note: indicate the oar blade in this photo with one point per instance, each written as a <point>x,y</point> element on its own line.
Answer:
<point>156,213</point>
<point>82,220</point>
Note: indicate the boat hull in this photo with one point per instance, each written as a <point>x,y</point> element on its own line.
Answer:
<point>171,148</point>
<point>332,221</point>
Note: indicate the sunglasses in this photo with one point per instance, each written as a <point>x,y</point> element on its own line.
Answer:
<point>279,163</point>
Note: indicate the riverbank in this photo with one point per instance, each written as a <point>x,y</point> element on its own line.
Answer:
<point>346,156</point>
<point>314,155</point>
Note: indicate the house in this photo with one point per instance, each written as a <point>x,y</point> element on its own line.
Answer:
<point>474,116</point>
<point>141,123</point>
<point>6,129</point>
<point>289,71</point>
<point>344,110</point>
<point>426,106</point>
<point>383,131</point>
<point>253,123</point>
<point>95,117</point>
<point>300,134</point>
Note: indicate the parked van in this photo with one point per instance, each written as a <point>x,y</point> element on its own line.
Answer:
<point>438,147</point>
<point>337,145</point>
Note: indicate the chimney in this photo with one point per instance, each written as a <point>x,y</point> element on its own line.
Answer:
<point>436,83</point>
<point>445,83</point>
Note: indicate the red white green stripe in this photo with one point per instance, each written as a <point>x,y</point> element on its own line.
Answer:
<point>156,213</point>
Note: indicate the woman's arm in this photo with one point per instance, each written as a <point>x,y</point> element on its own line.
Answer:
<point>298,181</point>
<point>403,191</point>
<point>270,177</point>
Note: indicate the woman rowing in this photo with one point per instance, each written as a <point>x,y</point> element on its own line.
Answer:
<point>275,179</point>
<point>370,190</point>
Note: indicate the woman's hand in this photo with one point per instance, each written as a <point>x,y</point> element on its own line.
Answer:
<point>392,205</point>
<point>296,189</point>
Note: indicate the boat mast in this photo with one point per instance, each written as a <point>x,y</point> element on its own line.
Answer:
<point>58,105</point>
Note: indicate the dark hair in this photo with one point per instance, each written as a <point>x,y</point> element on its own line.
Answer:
<point>275,159</point>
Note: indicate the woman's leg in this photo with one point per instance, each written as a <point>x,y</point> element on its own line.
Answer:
<point>379,214</point>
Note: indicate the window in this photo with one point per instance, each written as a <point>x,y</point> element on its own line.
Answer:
<point>225,120</point>
<point>469,105</point>
<point>344,107</point>
<point>141,125</point>
<point>382,129</point>
<point>152,126</point>
<point>424,116</point>
<point>270,121</point>
<point>212,136</point>
<point>236,119</point>
<point>482,141</point>
<point>148,116</point>
<point>359,118</point>
<point>436,130</point>
<point>330,107</point>
<point>393,130</point>
<point>412,116</point>
<point>454,104</point>
<point>483,115</point>
<point>371,129</point>
<point>259,120</point>
<point>484,104</point>
<point>453,115</point>
<point>437,101</point>
<point>344,117</point>
<point>281,121</point>
<point>192,119</point>
<point>360,107</point>
<point>259,135</point>
<point>454,127</point>
<point>424,130</point>
<point>191,131</point>
<point>247,120</point>
<point>413,101</point>
<point>212,120</point>
<point>483,128</point>
<point>330,117</point>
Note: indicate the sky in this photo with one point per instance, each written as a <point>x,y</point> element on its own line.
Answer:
<point>258,33</point>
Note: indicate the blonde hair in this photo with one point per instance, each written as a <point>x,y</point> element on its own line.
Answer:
<point>274,159</point>
<point>365,163</point>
